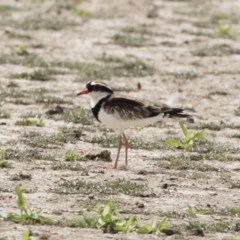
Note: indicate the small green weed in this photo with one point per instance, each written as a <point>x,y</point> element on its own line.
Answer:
<point>188,140</point>
<point>27,214</point>
<point>4,114</point>
<point>193,211</point>
<point>27,236</point>
<point>38,122</point>
<point>3,162</point>
<point>22,50</point>
<point>71,156</point>
<point>225,31</point>
<point>7,9</point>
<point>156,228</point>
<point>83,13</point>
<point>236,112</point>
<point>106,219</point>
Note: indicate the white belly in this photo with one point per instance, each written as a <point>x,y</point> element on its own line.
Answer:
<point>114,120</point>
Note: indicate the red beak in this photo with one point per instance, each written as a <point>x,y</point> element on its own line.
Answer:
<point>84,91</point>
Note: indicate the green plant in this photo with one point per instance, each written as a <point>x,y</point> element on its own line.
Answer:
<point>236,112</point>
<point>154,228</point>
<point>38,122</point>
<point>4,114</point>
<point>40,75</point>
<point>3,162</point>
<point>26,236</point>
<point>83,13</point>
<point>225,30</point>
<point>100,188</point>
<point>216,50</point>
<point>71,156</point>
<point>193,211</point>
<point>27,214</point>
<point>106,218</point>
<point>22,50</point>
<point>127,40</point>
<point>188,140</point>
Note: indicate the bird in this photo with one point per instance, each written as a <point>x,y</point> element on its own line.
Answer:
<point>119,112</point>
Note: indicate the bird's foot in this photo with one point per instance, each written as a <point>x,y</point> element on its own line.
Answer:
<point>110,167</point>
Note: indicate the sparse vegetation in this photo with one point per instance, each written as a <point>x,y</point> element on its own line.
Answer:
<point>109,187</point>
<point>7,9</point>
<point>126,40</point>
<point>225,31</point>
<point>35,139</point>
<point>38,122</point>
<point>27,214</point>
<point>190,75</point>
<point>76,115</point>
<point>132,37</point>
<point>49,50</point>
<point>83,13</point>
<point>180,163</point>
<point>211,126</point>
<point>37,23</point>
<point>71,156</point>
<point>28,154</point>
<point>216,50</point>
<point>188,140</point>
<point>40,75</point>
<point>134,143</point>
<point>4,114</point>
<point>3,162</point>
<point>73,166</point>
<point>27,236</point>
<point>237,112</point>
<point>221,93</point>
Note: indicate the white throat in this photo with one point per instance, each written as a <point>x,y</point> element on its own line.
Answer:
<point>96,97</point>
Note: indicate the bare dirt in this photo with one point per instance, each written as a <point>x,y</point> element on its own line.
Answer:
<point>208,84</point>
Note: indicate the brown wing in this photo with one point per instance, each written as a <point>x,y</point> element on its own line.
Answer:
<point>130,109</point>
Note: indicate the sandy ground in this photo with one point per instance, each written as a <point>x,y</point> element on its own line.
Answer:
<point>208,84</point>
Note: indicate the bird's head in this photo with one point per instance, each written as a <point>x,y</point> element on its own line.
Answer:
<point>97,91</point>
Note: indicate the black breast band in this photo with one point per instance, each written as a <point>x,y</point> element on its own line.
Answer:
<point>97,107</point>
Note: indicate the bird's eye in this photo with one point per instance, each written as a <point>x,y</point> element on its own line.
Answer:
<point>96,87</point>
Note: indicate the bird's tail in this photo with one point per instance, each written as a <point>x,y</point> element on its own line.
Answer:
<point>175,112</point>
